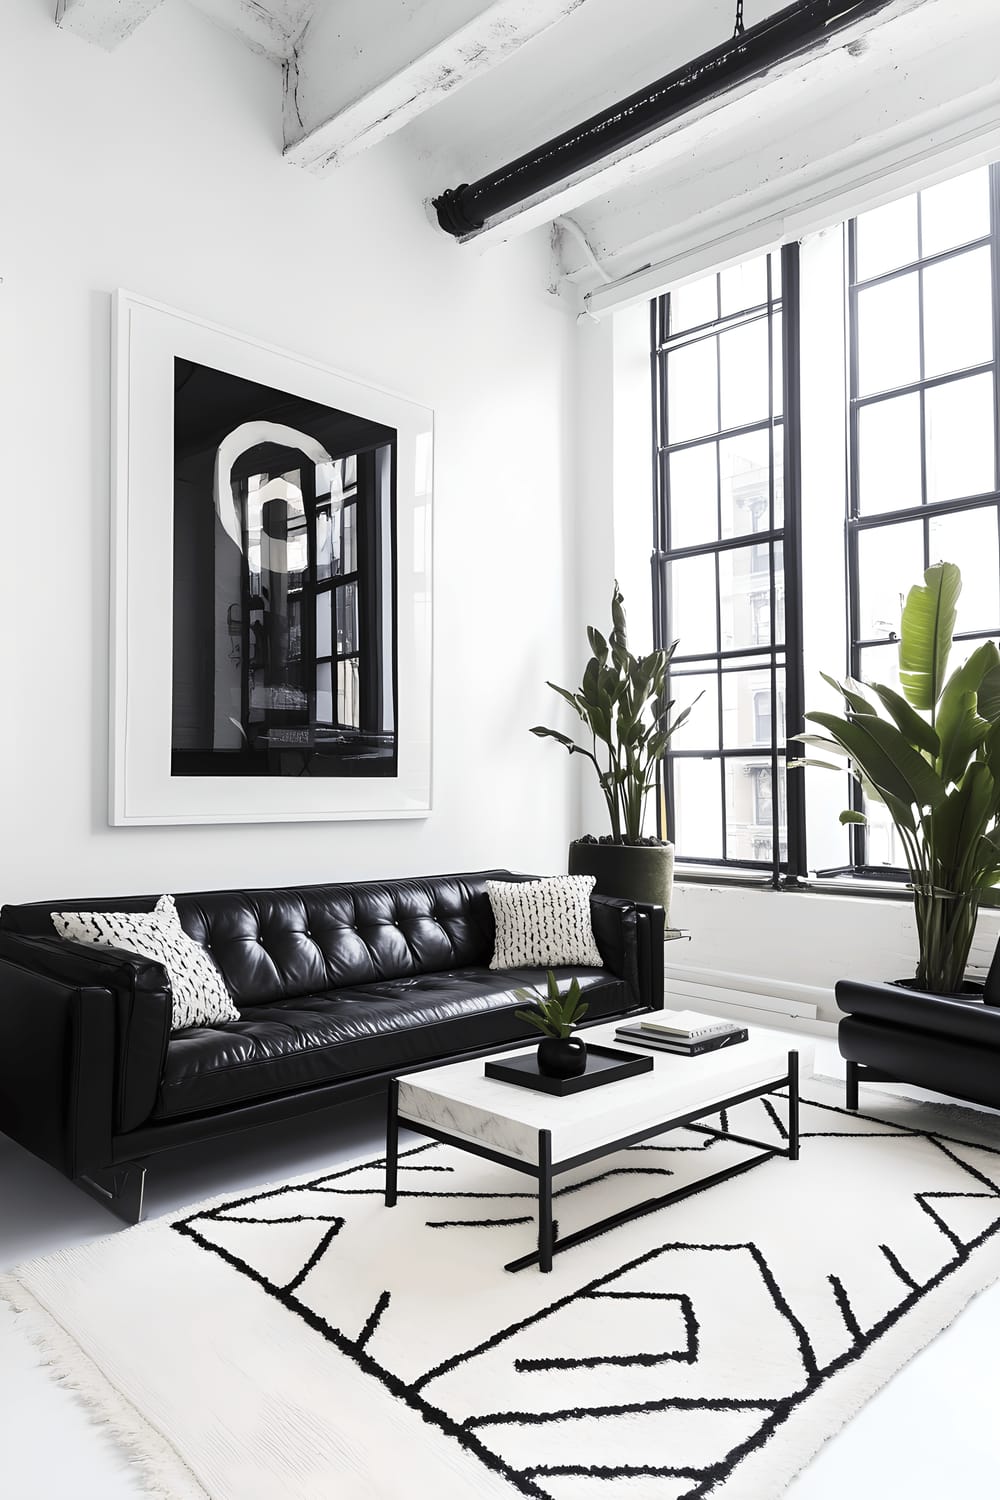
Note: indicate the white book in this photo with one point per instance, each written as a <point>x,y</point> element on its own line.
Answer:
<point>690,1024</point>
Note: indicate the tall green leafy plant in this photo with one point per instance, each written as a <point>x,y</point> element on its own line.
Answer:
<point>932,756</point>
<point>621,702</point>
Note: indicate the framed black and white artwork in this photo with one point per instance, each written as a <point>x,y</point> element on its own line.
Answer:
<point>271,578</point>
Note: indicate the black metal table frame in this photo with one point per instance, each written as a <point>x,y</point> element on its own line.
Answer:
<point>545,1171</point>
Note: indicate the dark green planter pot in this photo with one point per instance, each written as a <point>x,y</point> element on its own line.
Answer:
<point>640,872</point>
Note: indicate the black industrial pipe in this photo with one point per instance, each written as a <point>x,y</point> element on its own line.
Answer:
<point>747,55</point>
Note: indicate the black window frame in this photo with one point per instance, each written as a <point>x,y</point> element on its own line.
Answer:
<point>784,655</point>
<point>858,524</point>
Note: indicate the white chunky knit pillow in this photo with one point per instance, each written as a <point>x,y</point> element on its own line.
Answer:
<point>200,996</point>
<point>543,922</point>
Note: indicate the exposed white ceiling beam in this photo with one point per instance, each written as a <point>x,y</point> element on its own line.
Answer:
<point>349,84</point>
<point>813,149</point>
<point>271,29</point>
<point>104,22</point>
<point>657,150</point>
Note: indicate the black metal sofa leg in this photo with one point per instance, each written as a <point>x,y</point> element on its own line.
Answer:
<point>118,1188</point>
<point>852,1085</point>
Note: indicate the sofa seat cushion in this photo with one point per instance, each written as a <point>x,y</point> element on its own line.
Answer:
<point>342,1034</point>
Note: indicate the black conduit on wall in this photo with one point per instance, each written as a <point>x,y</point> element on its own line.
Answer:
<point>750,54</point>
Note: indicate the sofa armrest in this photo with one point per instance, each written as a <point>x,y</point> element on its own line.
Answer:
<point>142,1008</point>
<point>56,1067</point>
<point>626,936</point>
<point>912,1010</point>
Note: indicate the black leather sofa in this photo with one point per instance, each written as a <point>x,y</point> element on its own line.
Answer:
<point>339,987</point>
<point>893,1035</point>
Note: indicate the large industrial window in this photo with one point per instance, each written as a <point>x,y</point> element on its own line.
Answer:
<point>905,403</point>
<point>924,475</point>
<point>727,509</point>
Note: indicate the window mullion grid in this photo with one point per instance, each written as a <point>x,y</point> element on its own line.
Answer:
<point>773,593</point>
<point>664,555</point>
<point>718,568</point>
<point>858,833</point>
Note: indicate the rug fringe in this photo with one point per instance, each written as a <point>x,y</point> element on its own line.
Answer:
<point>159,1469</point>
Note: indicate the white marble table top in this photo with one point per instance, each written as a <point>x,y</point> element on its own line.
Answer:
<point>461,1100</point>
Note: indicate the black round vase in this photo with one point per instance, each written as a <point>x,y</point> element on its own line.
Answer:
<point>562,1056</point>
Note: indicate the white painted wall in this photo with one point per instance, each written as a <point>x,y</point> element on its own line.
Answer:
<point>158,168</point>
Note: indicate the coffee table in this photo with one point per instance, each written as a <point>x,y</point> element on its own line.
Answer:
<point>544,1135</point>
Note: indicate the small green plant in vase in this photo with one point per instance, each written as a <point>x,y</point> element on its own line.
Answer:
<point>560,1054</point>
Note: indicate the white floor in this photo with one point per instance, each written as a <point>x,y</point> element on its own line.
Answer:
<point>931,1434</point>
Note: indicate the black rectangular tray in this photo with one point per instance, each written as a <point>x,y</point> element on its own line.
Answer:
<point>604,1065</point>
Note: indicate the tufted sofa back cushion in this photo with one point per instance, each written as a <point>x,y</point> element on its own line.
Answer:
<point>272,944</point>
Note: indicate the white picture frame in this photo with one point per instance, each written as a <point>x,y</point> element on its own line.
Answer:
<point>147,338</point>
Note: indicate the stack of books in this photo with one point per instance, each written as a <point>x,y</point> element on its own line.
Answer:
<point>685,1032</point>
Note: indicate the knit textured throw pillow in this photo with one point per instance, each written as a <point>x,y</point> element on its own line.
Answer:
<point>543,922</point>
<point>200,996</point>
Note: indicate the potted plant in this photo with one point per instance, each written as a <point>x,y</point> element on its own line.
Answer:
<point>560,1055</point>
<point>932,756</point>
<point>620,700</point>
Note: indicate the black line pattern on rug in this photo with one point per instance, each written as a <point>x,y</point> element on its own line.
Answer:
<point>846,1311</point>
<point>779,1123</point>
<point>317,1255</point>
<point>374,1318</point>
<point>523,1481</point>
<point>897,1266</point>
<point>393,1384</point>
<point>622,1409</point>
<point>688,1355</point>
<point>477,1223</point>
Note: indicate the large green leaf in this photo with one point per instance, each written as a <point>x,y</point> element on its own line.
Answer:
<point>917,730</point>
<point>598,644</point>
<point>849,691</point>
<point>885,757</point>
<point>850,816</point>
<point>926,631</point>
<point>961,820</point>
<point>962,733</point>
<point>989,692</point>
<point>570,698</point>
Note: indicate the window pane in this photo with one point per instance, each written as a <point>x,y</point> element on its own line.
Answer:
<point>744,285</point>
<point>888,335</point>
<point>958,313</point>
<point>347,693</point>
<point>745,589</point>
<point>750,809</point>
<point>324,624</point>
<point>347,618</point>
<point>955,212</point>
<point>778,396</point>
<point>746,707</point>
<point>745,465</point>
<point>691,605</point>
<point>324,692</point>
<point>881,664</point>
<point>970,540</point>
<point>744,374</point>
<point>694,304</point>
<point>697,809</point>
<point>959,419</point>
<point>701,730</point>
<point>886,238</point>
<point>692,394</point>
<point>889,455</point>
<point>350,554</point>
<point>694,513</point>
<point>890,562</point>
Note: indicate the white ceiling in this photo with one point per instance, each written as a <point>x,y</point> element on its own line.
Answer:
<point>468,85</point>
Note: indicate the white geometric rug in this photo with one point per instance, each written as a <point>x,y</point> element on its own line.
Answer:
<point>305,1343</point>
